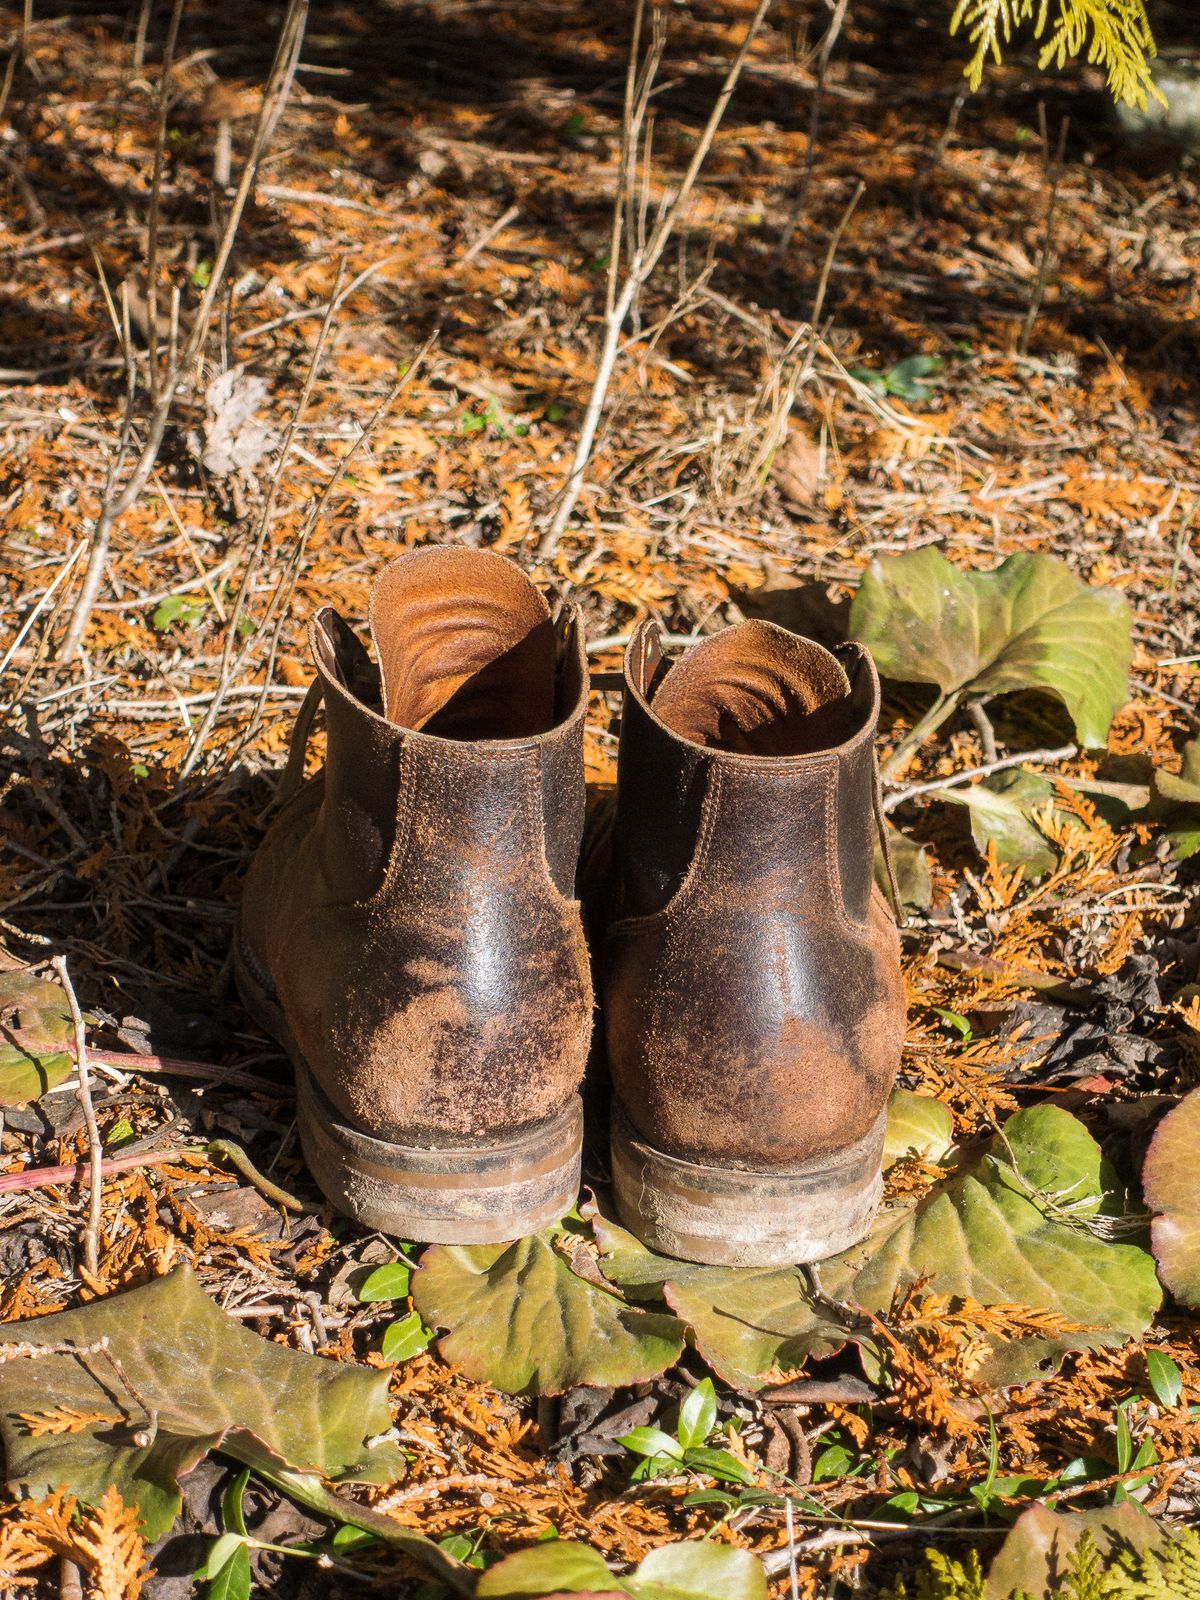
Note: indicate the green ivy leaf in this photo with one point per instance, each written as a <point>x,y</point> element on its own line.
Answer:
<point>210,1383</point>
<point>1030,624</point>
<point>405,1338</point>
<point>1022,1225</point>
<point>390,1282</point>
<point>35,1025</point>
<point>1166,1380</point>
<point>690,1570</point>
<point>1004,812</point>
<point>1170,1187</point>
<point>517,1317</point>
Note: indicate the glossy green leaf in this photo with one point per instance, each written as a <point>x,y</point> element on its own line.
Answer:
<point>208,1381</point>
<point>389,1282</point>
<point>1030,624</point>
<point>1166,1380</point>
<point>1171,1189</point>
<point>651,1442</point>
<point>232,1582</point>
<point>35,1033</point>
<point>917,1125</point>
<point>721,1464</point>
<point>219,1554</point>
<point>1005,811</point>
<point>517,1317</point>
<point>1026,1224</point>
<point>405,1338</point>
<point>693,1569</point>
<point>698,1415</point>
<point>1033,1557</point>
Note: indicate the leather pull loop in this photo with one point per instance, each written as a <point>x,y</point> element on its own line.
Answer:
<point>893,888</point>
<point>293,773</point>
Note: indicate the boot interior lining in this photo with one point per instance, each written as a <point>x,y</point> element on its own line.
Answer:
<point>758,690</point>
<point>466,647</point>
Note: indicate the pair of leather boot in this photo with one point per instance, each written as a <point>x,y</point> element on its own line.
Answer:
<point>410,928</point>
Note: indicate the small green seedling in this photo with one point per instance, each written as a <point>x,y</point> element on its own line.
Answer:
<point>686,1451</point>
<point>408,1336</point>
<point>905,379</point>
<point>182,608</point>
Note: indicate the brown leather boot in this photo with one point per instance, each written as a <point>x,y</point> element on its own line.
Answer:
<point>409,929</point>
<point>752,997</point>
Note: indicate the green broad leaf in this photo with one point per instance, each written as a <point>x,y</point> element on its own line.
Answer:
<point>917,1126</point>
<point>219,1553</point>
<point>178,608</point>
<point>405,1338</point>
<point>651,1442</point>
<point>232,1516</point>
<point>1030,624</point>
<point>698,1415</point>
<point>516,1316</point>
<point>906,377</point>
<point>1172,1192</point>
<point>559,1567</point>
<point>720,1464</point>
<point>1025,1224</point>
<point>203,1381</point>
<point>693,1569</point>
<point>751,1325</point>
<point>1166,1380</point>
<point>696,1569</point>
<point>1033,1557</point>
<point>1004,812</point>
<point>232,1582</point>
<point>390,1282</point>
<point>1182,787</point>
<point>35,1033</point>
<point>910,863</point>
<point>1177,799</point>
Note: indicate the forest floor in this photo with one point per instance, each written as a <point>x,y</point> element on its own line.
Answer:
<point>446,173</point>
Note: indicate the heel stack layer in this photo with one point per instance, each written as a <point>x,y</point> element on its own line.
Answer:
<point>483,1193</point>
<point>449,1194</point>
<point>729,1216</point>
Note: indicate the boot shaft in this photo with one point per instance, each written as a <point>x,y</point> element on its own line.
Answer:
<point>756,750</point>
<point>471,726</point>
<point>412,912</point>
<point>751,988</point>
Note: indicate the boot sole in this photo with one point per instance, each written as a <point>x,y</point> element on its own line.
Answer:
<point>734,1217</point>
<point>444,1194</point>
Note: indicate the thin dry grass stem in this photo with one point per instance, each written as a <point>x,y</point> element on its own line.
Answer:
<point>230,666</point>
<point>281,596</point>
<point>645,257</point>
<point>823,55</point>
<point>1030,758</point>
<point>91,1238</point>
<point>117,503</point>
<point>1057,166</point>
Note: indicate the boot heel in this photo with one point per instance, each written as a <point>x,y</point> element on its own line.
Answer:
<point>732,1217</point>
<point>449,1194</point>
